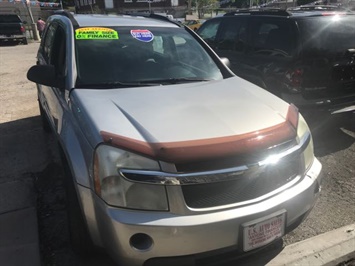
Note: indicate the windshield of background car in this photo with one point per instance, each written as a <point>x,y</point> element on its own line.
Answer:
<point>9,19</point>
<point>132,55</point>
<point>329,35</point>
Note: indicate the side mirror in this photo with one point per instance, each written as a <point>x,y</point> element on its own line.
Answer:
<point>226,61</point>
<point>45,75</point>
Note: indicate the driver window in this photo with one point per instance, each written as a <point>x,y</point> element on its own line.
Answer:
<point>232,36</point>
<point>48,40</point>
<point>58,53</point>
<point>208,31</point>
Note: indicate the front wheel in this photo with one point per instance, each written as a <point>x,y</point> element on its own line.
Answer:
<point>24,41</point>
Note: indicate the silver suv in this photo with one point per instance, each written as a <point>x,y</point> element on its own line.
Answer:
<point>168,155</point>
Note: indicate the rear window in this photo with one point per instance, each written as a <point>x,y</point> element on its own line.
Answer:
<point>328,35</point>
<point>9,19</point>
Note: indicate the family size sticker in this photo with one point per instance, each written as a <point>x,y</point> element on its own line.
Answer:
<point>142,35</point>
<point>96,34</point>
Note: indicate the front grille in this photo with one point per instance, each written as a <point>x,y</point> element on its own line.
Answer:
<point>252,184</point>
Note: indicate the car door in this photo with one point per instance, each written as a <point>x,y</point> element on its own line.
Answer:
<point>53,52</point>
<point>271,51</point>
<point>233,42</point>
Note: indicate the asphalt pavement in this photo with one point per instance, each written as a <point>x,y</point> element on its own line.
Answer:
<point>19,241</point>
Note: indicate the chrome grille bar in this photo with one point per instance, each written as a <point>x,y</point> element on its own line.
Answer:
<point>164,178</point>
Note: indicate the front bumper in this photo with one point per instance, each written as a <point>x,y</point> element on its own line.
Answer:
<point>175,235</point>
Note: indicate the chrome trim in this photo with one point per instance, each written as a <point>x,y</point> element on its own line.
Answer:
<point>299,148</point>
<point>164,178</point>
<point>180,179</point>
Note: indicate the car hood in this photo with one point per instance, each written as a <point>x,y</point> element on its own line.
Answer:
<point>183,121</point>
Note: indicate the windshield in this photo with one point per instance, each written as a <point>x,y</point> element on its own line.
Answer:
<point>126,56</point>
<point>9,19</point>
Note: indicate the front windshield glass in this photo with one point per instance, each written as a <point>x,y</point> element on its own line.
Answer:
<point>132,56</point>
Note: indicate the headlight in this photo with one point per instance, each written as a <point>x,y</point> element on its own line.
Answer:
<point>302,130</point>
<point>116,190</point>
<point>305,143</point>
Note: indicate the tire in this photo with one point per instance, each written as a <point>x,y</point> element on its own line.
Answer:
<point>79,234</point>
<point>45,123</point>
<point>24,41</point>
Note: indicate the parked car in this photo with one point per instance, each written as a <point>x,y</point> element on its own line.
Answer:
<point>168,156</point>
<point>305,55</point>
<point>194,24</point>
<point>12,29</point>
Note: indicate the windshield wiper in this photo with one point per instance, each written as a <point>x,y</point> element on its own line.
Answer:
<point>142,83</point>
<point>111,85</point>
<point>172,81</point>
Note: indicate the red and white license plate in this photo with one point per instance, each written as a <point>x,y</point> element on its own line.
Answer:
<point>263,231</point>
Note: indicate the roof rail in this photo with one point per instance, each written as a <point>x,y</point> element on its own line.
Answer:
<point>152,15</point>
<point>63,13</point>
<point>66,14</point>
<point>260,11</point>
<point>315,8</point>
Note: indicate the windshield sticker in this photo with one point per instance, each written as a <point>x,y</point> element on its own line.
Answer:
<point>142,35</point>
<point>96,34</point>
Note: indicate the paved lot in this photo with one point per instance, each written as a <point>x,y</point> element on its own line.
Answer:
<point>27,153</point>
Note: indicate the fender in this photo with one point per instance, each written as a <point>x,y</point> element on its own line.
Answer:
<point>73,143</point>
<point>70,149</point>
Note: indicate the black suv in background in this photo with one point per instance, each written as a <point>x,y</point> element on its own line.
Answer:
<point>12,29</point>
<point>306,57</point>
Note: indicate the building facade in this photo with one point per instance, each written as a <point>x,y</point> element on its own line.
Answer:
<point>169,7</point>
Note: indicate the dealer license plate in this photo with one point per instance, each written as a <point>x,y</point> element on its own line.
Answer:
<point>263,231</point>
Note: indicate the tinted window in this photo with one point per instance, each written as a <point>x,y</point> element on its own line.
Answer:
<point>58,52</point>
<point>167,54</point>
<point>232,35</point>
<point>208,30</point>
<point>47,42</point>
<point>9,19</point>
<point>328,35</point>
<point>273,34</point>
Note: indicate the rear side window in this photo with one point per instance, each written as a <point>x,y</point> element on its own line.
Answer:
<point>330,35</point>
<point>9,19</point>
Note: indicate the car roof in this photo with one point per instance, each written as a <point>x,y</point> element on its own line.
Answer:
<point>301,11</point>
<point>95,20</point>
